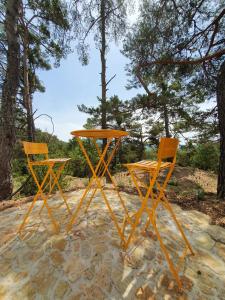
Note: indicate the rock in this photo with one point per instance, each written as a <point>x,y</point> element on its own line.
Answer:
<point>144,293</point>
<point>61,289</point>
<point>26,292</point>
<point>5,267</point>
<point>43,279</point>
<point>198,218</point>
<point>56,258</point>
<point>217,233</point>
<point>220,250</point>
<point>187,284</point>
<point>74,270</point>
<point>163,281</point>
<point>20,276</point>
<point>59,244</point>
<point>10,254</point>
<point>103,277</point>
<point>96,260</point>
<point>3,291</point>
<point>77,296</point>
<point>90,264</point>
<point>115,243</point>
<point>206,290</point>
<point>211,261</point>
<point>149,254</point>
<point>100,248</point>
<point>95,292</point>
<point>76,246</point>
<point>135,260</point>
<point>85,250</point>
<point>36,240</point>
<point>203,240</point>
<point>89,273</point>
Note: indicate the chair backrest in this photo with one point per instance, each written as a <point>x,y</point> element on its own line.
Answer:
<point>35,148</point>
<point>167,148</point>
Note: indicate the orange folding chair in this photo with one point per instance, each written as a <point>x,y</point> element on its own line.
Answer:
<point>155,193</point>
<point>50,180</point>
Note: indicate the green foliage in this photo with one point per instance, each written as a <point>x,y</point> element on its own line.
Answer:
<point>175,91</point>
<point>206,157</point>
<point>56,148</point>
<point>86,20</point>
<point>78,166</point>
<point>150,153</point>
<point>173,182</point>
<point>184,154</point>
<point>200,194</point>
<point>203,156</point>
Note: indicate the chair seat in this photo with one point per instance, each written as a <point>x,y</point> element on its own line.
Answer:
<point>50,161</point>
<point>148,165</point>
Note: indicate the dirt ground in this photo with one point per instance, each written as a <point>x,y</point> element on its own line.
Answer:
<point>189,188</point>
<point>196,189</point>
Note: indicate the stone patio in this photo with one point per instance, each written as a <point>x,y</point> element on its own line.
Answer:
<point>88,263</point>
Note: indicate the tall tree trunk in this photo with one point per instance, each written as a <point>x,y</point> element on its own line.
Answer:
<point>221,117</point>
<point>142,147</point>
<point>103,74</point>
<point>166,120</point>
<point>8,104</point>
<point>27,98</point>
<point>103,65</point>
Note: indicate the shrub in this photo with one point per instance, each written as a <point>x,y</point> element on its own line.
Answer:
<point>206,157</point>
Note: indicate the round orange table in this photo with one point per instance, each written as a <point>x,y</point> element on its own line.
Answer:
<point>113,138</point>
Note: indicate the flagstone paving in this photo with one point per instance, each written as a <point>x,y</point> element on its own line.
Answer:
<point>88,263</point>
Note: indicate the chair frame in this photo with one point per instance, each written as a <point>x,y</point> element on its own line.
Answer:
<point>30,150</point>
<point>157,199</point>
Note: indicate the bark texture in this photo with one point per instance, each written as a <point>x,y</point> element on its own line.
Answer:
<point>103,64</point>
<point>27,97</point>
<point>221,118</point>
<point>8,101</point>
<point>166,120</point>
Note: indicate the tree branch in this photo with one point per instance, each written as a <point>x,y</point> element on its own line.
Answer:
<point>205,58</point>
<point>110,79</point>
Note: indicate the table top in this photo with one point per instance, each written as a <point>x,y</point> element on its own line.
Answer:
<point>99,133</point>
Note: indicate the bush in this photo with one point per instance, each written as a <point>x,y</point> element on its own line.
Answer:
<point>206,157</point>
<point>202,156</point>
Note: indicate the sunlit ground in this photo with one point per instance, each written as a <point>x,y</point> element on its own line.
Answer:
<point>88,263</point>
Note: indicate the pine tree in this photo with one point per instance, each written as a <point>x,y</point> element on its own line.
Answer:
<point>187,37</point>
<point>8,100</point>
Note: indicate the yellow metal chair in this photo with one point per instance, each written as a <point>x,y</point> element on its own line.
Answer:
<point>54,170</point>
<point>167,151</point>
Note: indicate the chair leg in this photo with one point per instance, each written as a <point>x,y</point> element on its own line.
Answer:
<point>111,213</point>
<point>169,261</point>
<point>28,213</point>
<point>56,182</point>
<point>169,208</point>
<point>56,226</point>
<point>90,200</point>
<point>106,170</point>
<point>142,208</point>
<point>70,224</point>
<point>35,198</point>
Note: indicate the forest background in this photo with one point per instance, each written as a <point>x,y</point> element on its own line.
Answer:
<point>175,53</point>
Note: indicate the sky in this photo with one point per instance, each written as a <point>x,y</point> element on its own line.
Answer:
<point>72,84</point>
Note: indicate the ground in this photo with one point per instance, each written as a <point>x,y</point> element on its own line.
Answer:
<point>88,263</point>
<point>191,189</point>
